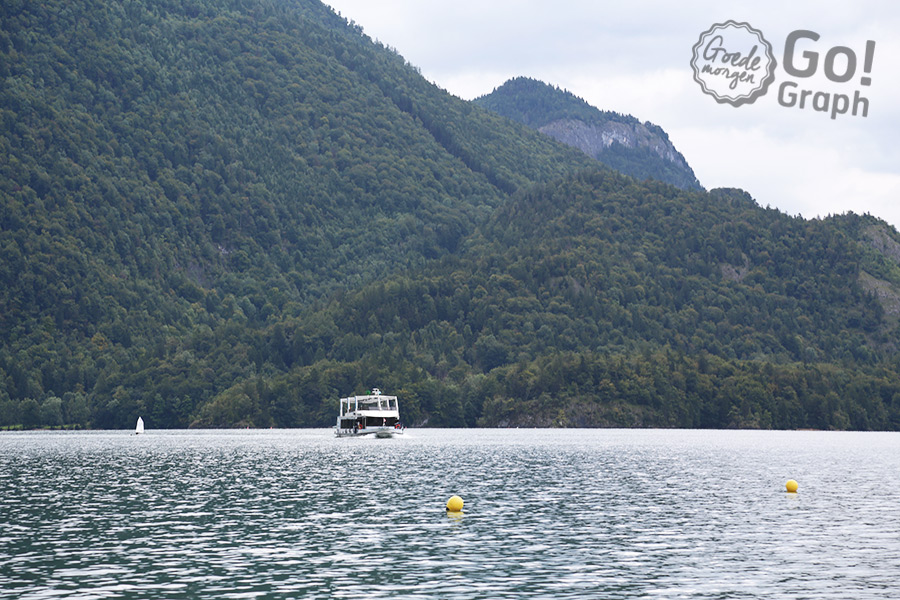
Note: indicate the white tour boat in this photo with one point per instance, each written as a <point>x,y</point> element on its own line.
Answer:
<point>373,414</point>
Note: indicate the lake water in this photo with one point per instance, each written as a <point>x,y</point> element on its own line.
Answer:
<point>548,514</point>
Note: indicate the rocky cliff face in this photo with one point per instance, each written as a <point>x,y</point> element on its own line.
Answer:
<point>593,139</point>
<point>886,292</point>
<point>642,150</point>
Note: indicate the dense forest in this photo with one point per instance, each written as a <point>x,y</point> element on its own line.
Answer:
<point>231,213</point>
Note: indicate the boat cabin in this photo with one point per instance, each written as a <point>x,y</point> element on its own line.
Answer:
<point>375,412</point>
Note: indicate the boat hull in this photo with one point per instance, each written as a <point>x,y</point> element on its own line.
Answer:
<point>379,432</point>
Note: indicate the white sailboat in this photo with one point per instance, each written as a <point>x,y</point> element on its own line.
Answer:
<point>139,429</point>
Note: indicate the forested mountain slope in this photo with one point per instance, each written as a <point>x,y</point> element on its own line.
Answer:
<point>232,213</point>
<point>597,300</point>
<point>170,167</point>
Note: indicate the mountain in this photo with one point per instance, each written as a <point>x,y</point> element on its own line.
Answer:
<point>176,170</point>
<point>597,300</point>
<point>231,213</point>
<point>642,150</point>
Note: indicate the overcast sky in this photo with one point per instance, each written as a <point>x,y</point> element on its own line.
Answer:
<point>634,58</point>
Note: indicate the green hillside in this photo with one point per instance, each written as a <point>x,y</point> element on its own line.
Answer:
<point>599,301</point>
<point>642,150</point>
<point>231,213</point>
<point>176,170</point>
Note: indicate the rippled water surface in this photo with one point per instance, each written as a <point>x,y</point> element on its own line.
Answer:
<point>548,514</point>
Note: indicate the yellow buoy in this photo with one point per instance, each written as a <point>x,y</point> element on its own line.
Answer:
<point>791,486</point>
<point>454,504</point>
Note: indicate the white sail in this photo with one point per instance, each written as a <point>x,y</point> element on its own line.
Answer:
<point>140,426</point>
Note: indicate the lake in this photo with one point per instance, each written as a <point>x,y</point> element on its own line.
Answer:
<point>548,514</point>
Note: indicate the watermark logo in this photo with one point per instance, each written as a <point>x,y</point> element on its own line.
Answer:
<point>733,63</point>
<point>839,66</point>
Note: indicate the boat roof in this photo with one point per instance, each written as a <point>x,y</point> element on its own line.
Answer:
<point>369,397</point>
